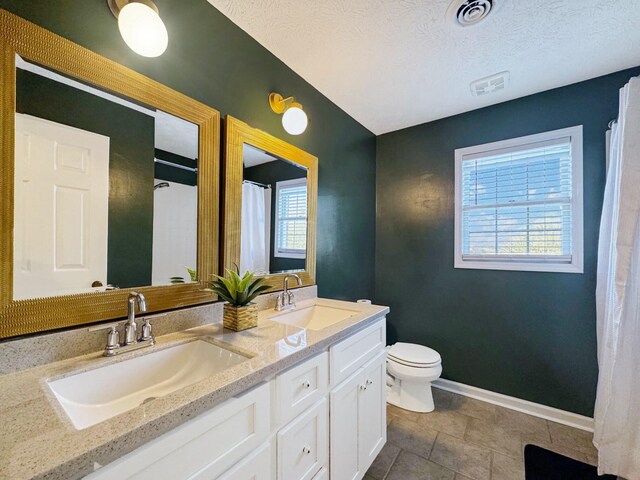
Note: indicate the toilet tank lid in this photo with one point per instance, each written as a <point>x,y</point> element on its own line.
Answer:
<point>411,352</point>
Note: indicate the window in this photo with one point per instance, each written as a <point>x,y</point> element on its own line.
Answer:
<point>519,204</point>
<point>291,219</point>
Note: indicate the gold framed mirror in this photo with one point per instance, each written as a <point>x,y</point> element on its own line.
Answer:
<point>31,301</point>
<point>270,205</point>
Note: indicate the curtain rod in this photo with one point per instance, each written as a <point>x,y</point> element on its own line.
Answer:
<point>263,185</point>
<point>175,165</point>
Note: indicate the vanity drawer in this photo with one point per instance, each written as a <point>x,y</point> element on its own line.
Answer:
<point>303,445</point>
<point>300,387</point>
<point>349,355</point>
<point>202,448</point>
<point>255,467</point>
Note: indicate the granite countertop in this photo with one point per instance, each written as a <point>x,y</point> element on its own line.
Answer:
<point>37,439</point>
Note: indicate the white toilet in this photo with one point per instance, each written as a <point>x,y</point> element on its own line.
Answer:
<point>410,370</point>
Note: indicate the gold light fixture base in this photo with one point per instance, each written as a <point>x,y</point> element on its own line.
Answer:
<point>116,5</point>
<point>279,104</point>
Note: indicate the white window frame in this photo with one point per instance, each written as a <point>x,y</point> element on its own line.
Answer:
<point>540,264</point>
<point>276,251</point>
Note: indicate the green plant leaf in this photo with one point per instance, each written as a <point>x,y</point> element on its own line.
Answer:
<point>257,291</point>
<point>256,288</point>
<point>192,273</point>
<point>238,291</point>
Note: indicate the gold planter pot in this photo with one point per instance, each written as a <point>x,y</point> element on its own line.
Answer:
<point>240,318</point>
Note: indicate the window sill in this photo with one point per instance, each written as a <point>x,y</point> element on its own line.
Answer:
<point>519,266</point>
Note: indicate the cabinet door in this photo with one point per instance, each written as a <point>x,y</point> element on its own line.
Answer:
<point>303,444</point>
<point>344,429</point>
<point>372,411</point>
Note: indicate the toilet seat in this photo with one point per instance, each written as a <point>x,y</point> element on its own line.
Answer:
<point>411,364</point>
<point>412,355</point>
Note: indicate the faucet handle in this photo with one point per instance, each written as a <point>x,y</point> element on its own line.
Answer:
<point>146,330</point>
<point>113,341</point>
<point>113,338</point>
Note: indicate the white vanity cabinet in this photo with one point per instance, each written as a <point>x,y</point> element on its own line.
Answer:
<point>358,417</point>
<point>324,418</point>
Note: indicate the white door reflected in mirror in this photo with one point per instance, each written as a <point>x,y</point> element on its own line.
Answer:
<point>61,214</point>
<point>106,190</point>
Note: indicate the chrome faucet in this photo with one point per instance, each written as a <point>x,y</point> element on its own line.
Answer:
<point>131,339</point>
<point>286,300</point>
<point>131,327</point>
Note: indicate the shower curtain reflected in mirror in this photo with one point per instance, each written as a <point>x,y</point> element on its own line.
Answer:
<point>256,212</point>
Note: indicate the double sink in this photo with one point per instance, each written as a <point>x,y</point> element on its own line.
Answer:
<point>97,395</point>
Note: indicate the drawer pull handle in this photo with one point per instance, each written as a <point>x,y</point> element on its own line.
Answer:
<point>306,384</point>
<point>306,450</point>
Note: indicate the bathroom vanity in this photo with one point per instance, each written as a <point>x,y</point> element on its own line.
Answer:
<point>324,417</point>
<point>303,397</point>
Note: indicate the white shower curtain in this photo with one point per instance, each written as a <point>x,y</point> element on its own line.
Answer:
<point>254,254</point>
<point>617,411</point>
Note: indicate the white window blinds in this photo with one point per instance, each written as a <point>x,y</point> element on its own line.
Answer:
<point>291,217</point>
<point>517,203</point>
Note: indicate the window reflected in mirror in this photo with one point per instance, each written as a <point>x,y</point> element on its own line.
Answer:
<point>105,190</point>
<point>274,214</point>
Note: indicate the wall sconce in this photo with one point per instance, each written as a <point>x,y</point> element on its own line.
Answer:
<point>140,25</point>
<point>294,120</point>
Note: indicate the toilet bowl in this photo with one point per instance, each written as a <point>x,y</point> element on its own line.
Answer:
<point>410,370</point>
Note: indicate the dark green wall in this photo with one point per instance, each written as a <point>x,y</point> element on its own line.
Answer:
<point>526,334</point>
<point>212,60</point>
<point>268,174</point>
<point>131,148</point>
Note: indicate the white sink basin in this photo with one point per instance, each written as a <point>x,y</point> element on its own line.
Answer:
<point>315,316</point>
<point>91,397</point>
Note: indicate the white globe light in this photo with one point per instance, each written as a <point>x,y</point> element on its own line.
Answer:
<point>143,30</point>
<point>294,120</point>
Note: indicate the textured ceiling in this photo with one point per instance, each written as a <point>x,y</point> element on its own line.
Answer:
<point>392,64</point>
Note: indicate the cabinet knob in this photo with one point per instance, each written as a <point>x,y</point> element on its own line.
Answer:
<point>369,382</point>
<point>306,450</point>
<point>363,387</point>
<point>306,384</point>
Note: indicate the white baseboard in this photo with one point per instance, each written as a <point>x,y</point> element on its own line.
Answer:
<point>524,406</point>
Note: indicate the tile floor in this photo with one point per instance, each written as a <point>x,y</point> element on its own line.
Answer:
<point>468,439</point>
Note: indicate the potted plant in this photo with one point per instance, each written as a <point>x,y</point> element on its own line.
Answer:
<point>239,312</point>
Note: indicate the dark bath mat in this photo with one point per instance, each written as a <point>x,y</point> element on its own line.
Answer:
<point>543,464</point>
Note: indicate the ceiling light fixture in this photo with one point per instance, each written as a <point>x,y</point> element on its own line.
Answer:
<point>294,119</point>
<point>140,25</point>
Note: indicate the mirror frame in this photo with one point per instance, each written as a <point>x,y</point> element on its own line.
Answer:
<point>36,44</point>
<point>237,133</point>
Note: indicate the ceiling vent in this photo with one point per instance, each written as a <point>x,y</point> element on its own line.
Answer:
<point>493,83</point>
<point>470,12</point>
